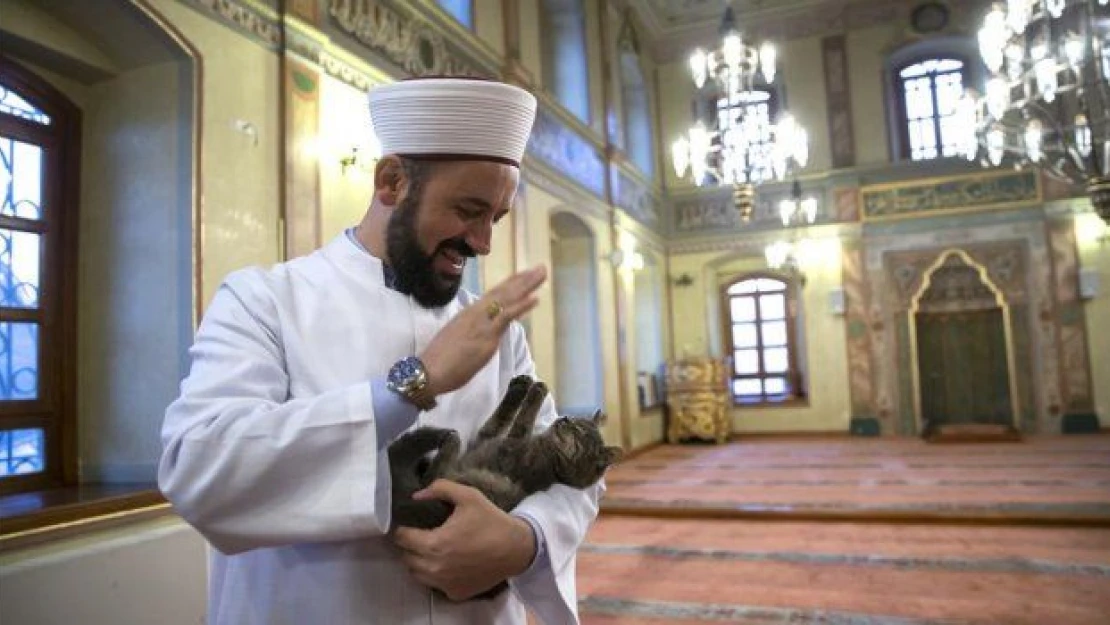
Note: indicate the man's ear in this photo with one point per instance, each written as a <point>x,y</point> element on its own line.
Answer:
<point>389,180</point>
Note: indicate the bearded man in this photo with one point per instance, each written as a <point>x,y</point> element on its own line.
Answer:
<point>304,373</point>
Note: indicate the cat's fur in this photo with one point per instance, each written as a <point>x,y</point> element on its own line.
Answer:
<point>506,463</point>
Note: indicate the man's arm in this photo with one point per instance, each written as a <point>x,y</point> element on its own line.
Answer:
<point>561,514</point>
<point>249,468</point>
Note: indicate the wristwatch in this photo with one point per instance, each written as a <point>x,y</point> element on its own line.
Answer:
<point>409,379</point>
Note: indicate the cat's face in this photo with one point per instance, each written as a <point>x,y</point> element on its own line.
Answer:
<point>582,454</point>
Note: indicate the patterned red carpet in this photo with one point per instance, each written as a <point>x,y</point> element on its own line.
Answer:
<point>635,570</point>
<point>1045,478</point>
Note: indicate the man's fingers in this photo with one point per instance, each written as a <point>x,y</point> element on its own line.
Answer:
<point>446,490</point>
<point>519,286</point>
<point>412,539</point>
<point>518,309</point>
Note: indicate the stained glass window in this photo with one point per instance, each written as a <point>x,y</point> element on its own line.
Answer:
<point>19,268</point>
<point>22,451</point>
<point>931,92</point>
<point>36,352</point>
<point>19,360</point>
<point>11,103</point>
<point>20,179</point>
<point>761,345</point>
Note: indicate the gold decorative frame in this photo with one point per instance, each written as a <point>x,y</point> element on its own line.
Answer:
<point>1007,326</point>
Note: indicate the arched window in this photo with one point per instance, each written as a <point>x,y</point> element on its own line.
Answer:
<point>564,66</point>
<point>39,147</point>
<point>759,311</point>
<point>634,101</point>
<point>929,91</point>
<point>579,387</point>
<point>461,10</point>
<point>648,310</point>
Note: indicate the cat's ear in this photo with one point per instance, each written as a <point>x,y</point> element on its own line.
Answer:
<point>599,418</point>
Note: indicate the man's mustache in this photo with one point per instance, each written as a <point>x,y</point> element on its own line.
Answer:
<point>458,245</point>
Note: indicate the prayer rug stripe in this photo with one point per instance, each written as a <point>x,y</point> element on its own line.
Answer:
<point>986,565</point>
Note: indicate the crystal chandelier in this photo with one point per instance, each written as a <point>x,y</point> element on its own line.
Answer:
<point>1047,102</point>
<point>744,148</point>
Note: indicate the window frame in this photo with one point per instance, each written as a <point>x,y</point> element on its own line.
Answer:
<point>899,83</point>
<point>549,11</point>
<point>941,46</point>
<point>55,409</point>
<point>797,394</point>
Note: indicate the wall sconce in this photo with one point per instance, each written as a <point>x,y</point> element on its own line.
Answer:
<point>627,260</point>
<point>683,281</point>
<point>358,159</point>
<point>364,154</point>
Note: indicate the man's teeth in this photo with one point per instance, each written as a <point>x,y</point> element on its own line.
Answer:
<point>456,260</point>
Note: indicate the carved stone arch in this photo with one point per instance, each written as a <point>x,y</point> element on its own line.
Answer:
<point>956,286</point>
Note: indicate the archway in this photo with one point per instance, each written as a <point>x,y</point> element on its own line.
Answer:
<point>963,360</point>
<point>579,382</point>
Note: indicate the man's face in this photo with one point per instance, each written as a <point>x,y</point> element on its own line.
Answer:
<point>432,234</point>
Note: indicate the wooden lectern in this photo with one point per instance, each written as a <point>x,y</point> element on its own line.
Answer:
<point>698,400</point>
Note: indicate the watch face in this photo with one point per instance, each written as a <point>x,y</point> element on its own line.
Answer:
<point>930,17</point>
<point>405,373</point>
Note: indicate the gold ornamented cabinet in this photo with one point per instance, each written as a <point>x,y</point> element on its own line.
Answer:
<point>698,400</point>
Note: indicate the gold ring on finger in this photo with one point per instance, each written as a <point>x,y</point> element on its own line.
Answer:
<point>493,309</point>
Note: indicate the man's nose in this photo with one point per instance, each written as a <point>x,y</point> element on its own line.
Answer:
<point>479,235</point>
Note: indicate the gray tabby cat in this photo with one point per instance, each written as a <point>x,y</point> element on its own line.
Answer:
<point>506,463</point>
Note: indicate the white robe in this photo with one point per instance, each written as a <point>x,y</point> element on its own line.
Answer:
<point>271,452</point>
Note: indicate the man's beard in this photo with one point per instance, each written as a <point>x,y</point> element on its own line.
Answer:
<point>414,271</point>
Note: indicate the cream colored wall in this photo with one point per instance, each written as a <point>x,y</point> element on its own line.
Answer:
<point>345,194</point>
<point>149,572</point>
<point>574,285</point>
<point>607,329</point>
<point>644,310</point>
<point>33,24</point>
<point>1093,240</point>
<point>240,182</point>
<point>866,54</point>
<point>802,70</point>
<point>535,219</point>
<point>674,115</point>
<point>698,334</point>
<point>134,279</point>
